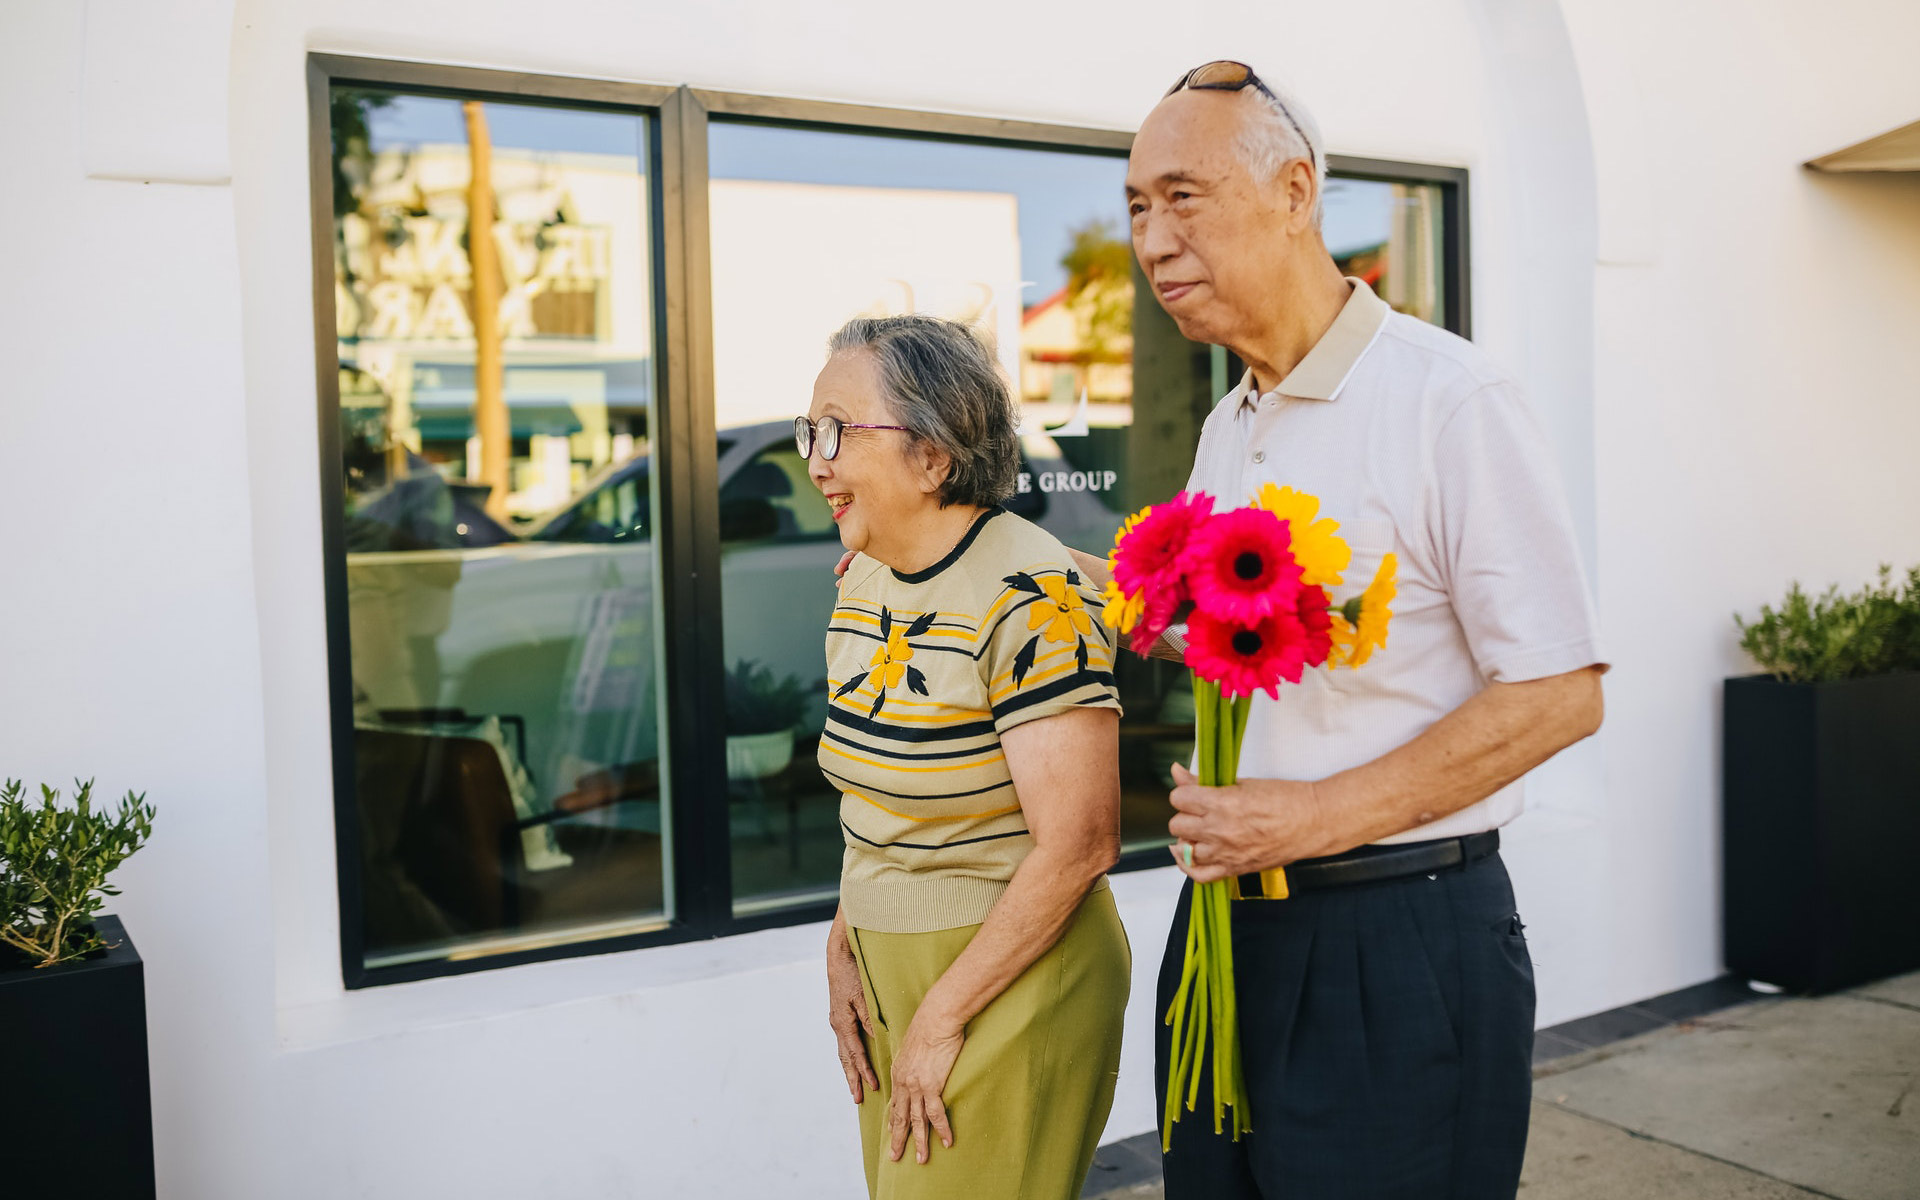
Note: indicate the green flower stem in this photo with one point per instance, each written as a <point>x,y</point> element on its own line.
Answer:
<point>1197,1032</point>
<point>1241,707</point>
<point>1223,1041</point>
<point>1227,1055</point>
<point>1204,1007</point>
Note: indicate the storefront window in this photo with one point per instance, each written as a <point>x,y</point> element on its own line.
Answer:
<point>579,578</point>
<point>493,303</point>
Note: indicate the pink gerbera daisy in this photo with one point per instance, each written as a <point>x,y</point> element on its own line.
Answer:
<point>1252,656</point>
<point>1316,623</point>
<point>1161,607</point>
<point>1240,566</point>
<point>1148,556</point>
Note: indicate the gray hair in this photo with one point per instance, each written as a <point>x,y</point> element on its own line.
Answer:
<point>942,383</point>
<point>1268,140</point>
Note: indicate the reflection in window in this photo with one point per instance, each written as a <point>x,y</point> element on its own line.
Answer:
<point>618,508</point>
<point>811,228</point>
<point>493,305</point>
<point>1388,234</point>
<point>772,497</point>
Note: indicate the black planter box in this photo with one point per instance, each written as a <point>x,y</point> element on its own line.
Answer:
<point>73,1077</point>
<point>1822,830</point>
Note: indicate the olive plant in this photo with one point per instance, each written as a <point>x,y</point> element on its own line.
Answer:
<point>54,863</point>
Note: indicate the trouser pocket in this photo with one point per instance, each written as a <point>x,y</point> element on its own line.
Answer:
<point>866,977</point>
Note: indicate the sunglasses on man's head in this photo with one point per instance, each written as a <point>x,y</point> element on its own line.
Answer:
<point>825,433</point>
<point>1225,75</point>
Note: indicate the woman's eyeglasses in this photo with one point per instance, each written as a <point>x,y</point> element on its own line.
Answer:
<point>1225,75</point>
<point>826,434</point>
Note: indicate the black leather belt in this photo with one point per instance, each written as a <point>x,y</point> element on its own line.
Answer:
<point>1374,864</point>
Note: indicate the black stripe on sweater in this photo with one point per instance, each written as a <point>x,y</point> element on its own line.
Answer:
<point>991,837</point>
<point>898,733</point>
<point>874,636</point>
<point>1059,687</point>
<point>989,748</point>
<point>849,785</point>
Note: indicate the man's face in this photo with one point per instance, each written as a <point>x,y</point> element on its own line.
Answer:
<point>1210,238</point>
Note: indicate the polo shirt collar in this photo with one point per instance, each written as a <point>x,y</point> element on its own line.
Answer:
<point>1324,371</point>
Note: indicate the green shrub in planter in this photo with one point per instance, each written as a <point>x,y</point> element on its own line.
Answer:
<point>1875,631</point>
<point>54,863</point>
<point>72,1002</point>
<point>1821,760</point>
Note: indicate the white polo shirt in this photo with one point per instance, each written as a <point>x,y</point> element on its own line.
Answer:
<point>1418,445</point>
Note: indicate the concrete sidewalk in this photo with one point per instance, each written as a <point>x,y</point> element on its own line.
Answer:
<point>1771,1098</point>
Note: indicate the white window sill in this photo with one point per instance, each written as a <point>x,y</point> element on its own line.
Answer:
<point>386,1011</point>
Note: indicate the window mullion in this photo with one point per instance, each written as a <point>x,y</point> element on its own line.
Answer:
<point>690,534</point>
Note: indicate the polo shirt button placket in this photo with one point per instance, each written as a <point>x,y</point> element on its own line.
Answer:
<point>1259,456</point>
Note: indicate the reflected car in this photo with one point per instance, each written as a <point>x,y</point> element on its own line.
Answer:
<point>557,626</point>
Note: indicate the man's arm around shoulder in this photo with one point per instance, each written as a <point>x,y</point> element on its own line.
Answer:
<point>1095,569</point>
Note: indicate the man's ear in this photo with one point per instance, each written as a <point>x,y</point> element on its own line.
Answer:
<point>1302,193</point>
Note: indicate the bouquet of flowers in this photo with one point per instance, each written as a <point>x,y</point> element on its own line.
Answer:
<point>1251,584</point>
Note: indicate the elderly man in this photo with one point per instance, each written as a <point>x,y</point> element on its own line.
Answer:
<point>1386,1004</point>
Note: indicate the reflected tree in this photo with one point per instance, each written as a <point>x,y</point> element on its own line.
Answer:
<point>491,424</point>
<point>350,115</point>
<point>1099,268</point>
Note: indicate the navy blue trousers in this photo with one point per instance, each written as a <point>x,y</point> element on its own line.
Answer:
<point>1386,1035</point>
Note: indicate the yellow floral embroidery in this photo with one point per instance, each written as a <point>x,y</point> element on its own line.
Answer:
<point>890,661</point>
<point>1062,612</point>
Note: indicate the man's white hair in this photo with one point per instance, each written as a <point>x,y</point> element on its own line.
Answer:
<point>1268,139</point>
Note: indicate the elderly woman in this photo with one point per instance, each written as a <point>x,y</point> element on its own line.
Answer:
<point>977,971</point>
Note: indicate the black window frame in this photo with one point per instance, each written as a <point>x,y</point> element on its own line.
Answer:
<point>686,455</point>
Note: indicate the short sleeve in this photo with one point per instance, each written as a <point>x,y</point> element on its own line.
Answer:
<point>1505,540</point>
<point>1046,649</point>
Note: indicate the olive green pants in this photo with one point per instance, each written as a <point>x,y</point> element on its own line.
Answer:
<point>1031,1089</point>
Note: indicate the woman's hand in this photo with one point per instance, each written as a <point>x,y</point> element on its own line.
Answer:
<point>847,1013</point>
<point>1066,770</point>
<point>920,1073</point>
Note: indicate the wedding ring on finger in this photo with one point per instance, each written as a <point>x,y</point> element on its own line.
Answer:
<point>1186,854</point>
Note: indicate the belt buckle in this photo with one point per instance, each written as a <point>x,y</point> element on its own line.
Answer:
<point>1270,884</point>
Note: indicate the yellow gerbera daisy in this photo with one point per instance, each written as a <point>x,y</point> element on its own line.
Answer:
<point>1360,625</point>
<point>890,660</point>
<point>1062,612</point>
<point>1122,611</point>
<point>1126,527</point>
<point>1321,553</point>
<point>1339,654</point>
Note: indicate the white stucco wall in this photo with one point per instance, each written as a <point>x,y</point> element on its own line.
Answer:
<point>1719,343</point>
<point>1756,383</point>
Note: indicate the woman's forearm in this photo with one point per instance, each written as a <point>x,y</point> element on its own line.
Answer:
<point>1066,770</point>
<point>1040,900</point>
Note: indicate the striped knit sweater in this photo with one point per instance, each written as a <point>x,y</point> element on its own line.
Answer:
<point>926,671</point>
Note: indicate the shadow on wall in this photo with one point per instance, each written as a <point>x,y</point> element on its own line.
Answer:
<point>1880,207</point>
